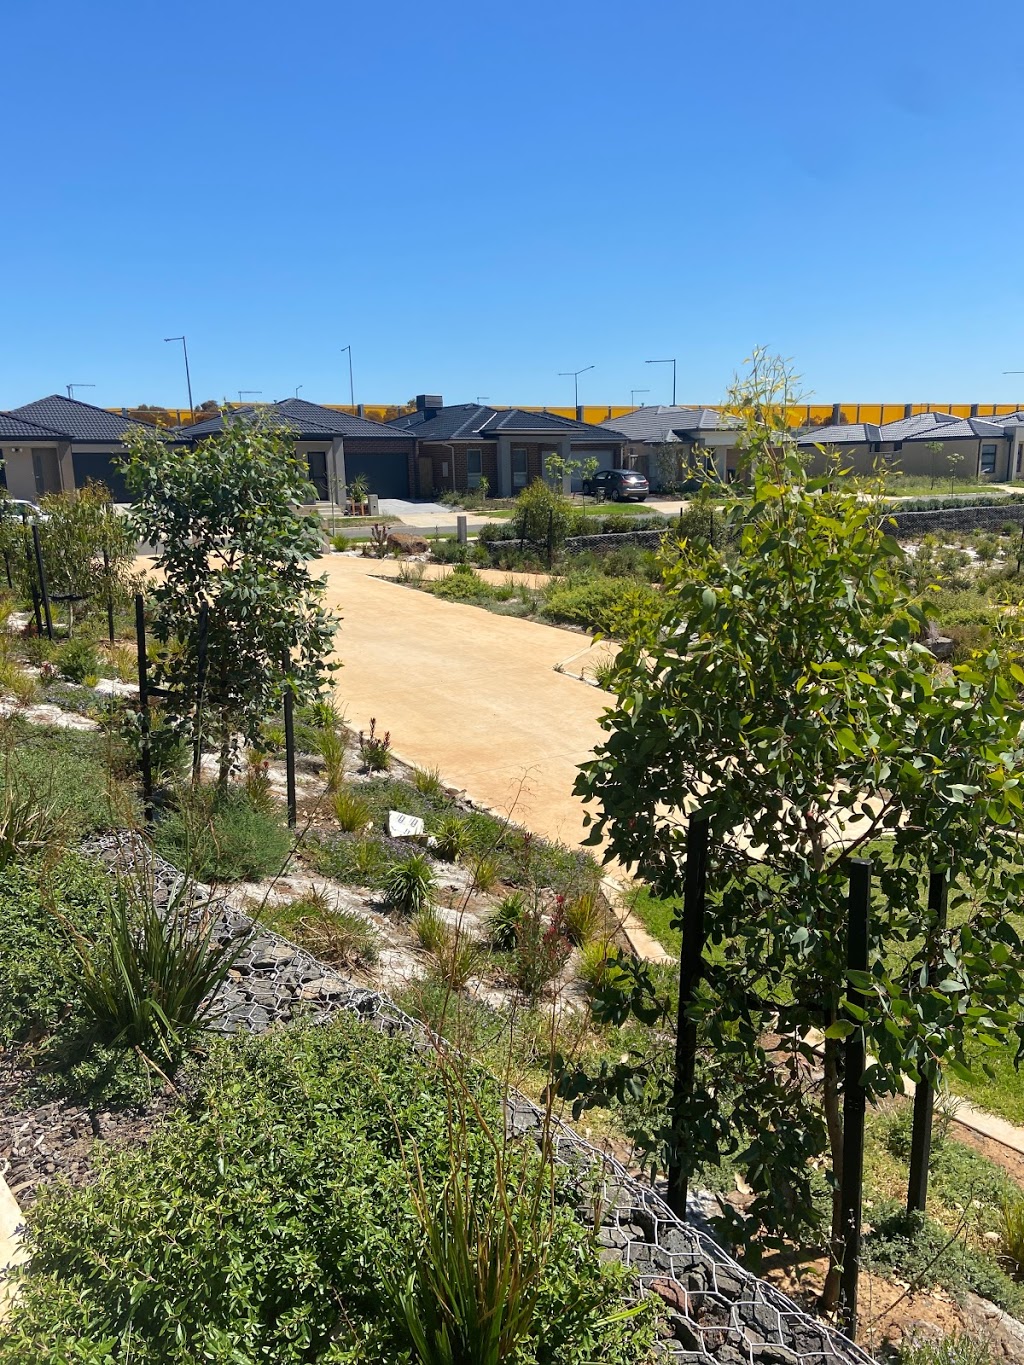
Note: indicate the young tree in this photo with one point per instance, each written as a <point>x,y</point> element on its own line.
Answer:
<point>782,689</point>
<point>78,528</point>
<point>224,519</point>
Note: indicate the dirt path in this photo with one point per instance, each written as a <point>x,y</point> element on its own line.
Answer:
<point>467,691</point>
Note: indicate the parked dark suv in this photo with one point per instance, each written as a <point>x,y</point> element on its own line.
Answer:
<point>617,484</point>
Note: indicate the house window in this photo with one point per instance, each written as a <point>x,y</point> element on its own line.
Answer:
<point>876,447</point>
<point>988,457</point>
<point>474,468</point>
<point>520,466</point>
<point>897,445</point>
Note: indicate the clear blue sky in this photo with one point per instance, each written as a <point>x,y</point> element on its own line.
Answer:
<point>477,196</point>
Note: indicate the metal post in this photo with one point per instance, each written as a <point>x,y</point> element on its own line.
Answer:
<point>551,538</point>
<point>110,595</point>
<point>7,566</point>
<point>145,755</point>
<point>853,1098</point>
<point>289,752</point>
<point>461,530</point>
<point>42,580</point>
<point>691,967</point>
<point>201,664</point>
<point>32,580</point>
<point>924,1095</point>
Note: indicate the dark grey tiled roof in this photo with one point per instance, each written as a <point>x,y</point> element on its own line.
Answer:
<point>466,421</point>
<point>300,417</point>
<point>852,433</point>
<point>922,426</point>
<point>658,424</point>
<point>964,428</point>
<point>77,420</point>
<point>18,428</point>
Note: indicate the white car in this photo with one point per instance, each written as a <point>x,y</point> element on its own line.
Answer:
<point>25,510</point>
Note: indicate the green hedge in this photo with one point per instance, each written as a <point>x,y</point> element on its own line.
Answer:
<point>264,1221</point>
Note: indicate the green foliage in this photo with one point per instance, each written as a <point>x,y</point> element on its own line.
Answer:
<point>459,958</point>
<point>77,659</point>
<point>409,884</point>
<point>1011,1235</point>
<point>453,836</point>
<point>374,749</point>
<point>357,862</point>
<point>503,924</point>
<point>224,516</point>
<point>147,976</point>
<point>78,528</point>
<point>220,836</point>
<point>958,1349</point>
<point>917,1249</point>
<point>39,976</point>
<point>73,771</point>
<point>28,824</point>
<point>290,1182</point>
<point>429,929</point>
<point>332,744</point>
<point>781,689</point>
<point>343,938</point>
<point>449,550</point>
<point>541,517</point>
<point>429,783</point>
<point>351,810</point>
<point>486,872</point>
<point>541,951</point>
<point>583,917</point>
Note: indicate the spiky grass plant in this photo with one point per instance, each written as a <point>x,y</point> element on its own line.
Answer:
<point>429,783</point>
<point>333,746</point>
<point>453,837</point>
<point>351,811</point>
<point>409,884</point>
<point>149,976</point>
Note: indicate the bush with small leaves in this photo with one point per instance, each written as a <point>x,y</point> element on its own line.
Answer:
<point>77,659</point>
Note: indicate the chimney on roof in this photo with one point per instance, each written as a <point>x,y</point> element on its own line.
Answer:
<point>360,409</point>
<point>837,413</point>
<point>974,409</point>
<point>124,412</point>
<point>579,413</point>
<point>908,409</point>
<point>428,403</point>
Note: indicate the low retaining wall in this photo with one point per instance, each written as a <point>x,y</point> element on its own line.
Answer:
<point>956,519</point>
<point>718,1313</point>
<point>649,540</point>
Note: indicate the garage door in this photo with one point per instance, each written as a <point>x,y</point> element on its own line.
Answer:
<point>605,460</point>
<point>387,473</point>
<point>100,469</point>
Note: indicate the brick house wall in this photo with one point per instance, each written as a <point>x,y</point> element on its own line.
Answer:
<point>441,455</point>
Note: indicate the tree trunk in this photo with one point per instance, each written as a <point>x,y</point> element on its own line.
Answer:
<point>829,1300</point>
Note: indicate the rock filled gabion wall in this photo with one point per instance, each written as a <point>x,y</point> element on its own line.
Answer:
<point>717,1312</point>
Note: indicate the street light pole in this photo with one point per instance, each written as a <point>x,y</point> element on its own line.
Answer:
<point>351,385</point>
<point>673,364</point>
<point>72,387</point>
<point>188,377</point>
<point>565,374</point>
<point>255,392</point>
<point>297,388</point>
<point>633,393</point>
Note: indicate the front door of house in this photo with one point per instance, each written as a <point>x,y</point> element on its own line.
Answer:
<point>520,468</point>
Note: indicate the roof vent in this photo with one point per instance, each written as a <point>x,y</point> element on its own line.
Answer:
<point>429,403</point>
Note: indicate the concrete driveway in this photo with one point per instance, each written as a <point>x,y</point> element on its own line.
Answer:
<point>470,692</point>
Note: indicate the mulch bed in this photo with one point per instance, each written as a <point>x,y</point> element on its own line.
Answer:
<point>44,1139</point>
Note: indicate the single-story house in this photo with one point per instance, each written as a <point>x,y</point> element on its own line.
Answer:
<point>463,443</point>
<point>668,443</point>
<point>337,446</point>
<point>923,443</point>
<point>57,444</point>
